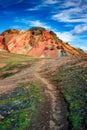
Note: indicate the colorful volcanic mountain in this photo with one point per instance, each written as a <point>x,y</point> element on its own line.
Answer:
<point>37,42</point>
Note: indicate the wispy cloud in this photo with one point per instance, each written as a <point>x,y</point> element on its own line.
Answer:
<point>70,3</point>
<point>80,29</point>
<point>71,12</point>
<point>44,3</point>
<point>35,8</point>
<point>31,23</point>
<point>37,23</point>
<point>50,2</point>
<point>6,3</point>
<point>71,15</point>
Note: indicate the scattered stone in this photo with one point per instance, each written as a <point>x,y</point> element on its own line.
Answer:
<point>52,124</point>
<point>2,117</point>
<point>27,88</point>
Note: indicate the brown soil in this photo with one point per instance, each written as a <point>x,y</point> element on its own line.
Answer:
<point>2,65</point>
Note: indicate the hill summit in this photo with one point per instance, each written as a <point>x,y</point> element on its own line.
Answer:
<point>36,41</point>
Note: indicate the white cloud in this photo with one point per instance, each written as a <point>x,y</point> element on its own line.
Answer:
<point>73,15</point>
<point>31,23</point>
<point>35,8</point>
<point>50,2</point>
<point>80,29</point>
<point>38,23</point>
<point>71,12</point>
<point>65,36</point>
<point>70,3</point>
<point>44,3</point>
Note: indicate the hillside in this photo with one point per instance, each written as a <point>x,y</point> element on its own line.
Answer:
<point>43,93</point>
<point>37,42</point>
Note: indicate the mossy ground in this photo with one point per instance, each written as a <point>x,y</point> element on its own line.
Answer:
<point>20,106</point>
<point>72,82</point>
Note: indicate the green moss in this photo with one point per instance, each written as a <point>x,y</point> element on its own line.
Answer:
<point>73,85</point>
<point>20,106</point>
<point>76,121</point>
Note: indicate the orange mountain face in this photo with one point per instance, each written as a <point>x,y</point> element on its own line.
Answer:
<point>36,42</point>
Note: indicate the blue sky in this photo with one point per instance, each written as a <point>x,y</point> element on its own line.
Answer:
<point>68,18</point>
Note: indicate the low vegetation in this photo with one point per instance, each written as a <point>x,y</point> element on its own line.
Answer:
<point>20,106</point>
<point>14,58</point>
<point>72,82</point>
<point>14,63</point>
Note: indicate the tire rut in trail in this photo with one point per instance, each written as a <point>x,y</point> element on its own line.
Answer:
<point>58,120</point>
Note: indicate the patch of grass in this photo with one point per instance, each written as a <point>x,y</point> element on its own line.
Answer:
<point>6,75</point>
<point>20,106</point>
<point>11,58</point>
<point>14,61</point>
<point>13,68</point>
<point>73,85</point>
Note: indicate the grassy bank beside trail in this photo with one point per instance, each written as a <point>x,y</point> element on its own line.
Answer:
<point>6,57</point>
<point>72,82</point>
<point>13,63</point>
<point>12,59</point>
<point>19,107</point>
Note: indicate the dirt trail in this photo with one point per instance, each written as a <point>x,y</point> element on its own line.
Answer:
<point>57,120</point>
<point>27,74</point>
<point>58,108</point>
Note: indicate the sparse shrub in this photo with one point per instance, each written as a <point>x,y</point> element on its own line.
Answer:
<point>37,30</point>
<point>67,43</point>
<point>80,49</point>
<point>52,33</point>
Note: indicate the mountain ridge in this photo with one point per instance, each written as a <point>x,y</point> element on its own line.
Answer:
<point>36,41</point>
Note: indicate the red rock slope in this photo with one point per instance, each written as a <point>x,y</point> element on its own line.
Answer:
<point>36,42</point>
